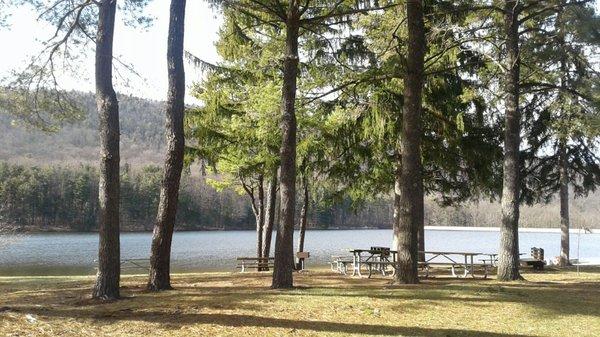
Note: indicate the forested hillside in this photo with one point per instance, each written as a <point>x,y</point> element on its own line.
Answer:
<point>142,135</point>
<point>48,181</point>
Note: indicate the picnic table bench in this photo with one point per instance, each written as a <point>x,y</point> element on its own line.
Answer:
<point>373,266</point>
<point>135,264</point>
<point>339,263</point>
<point>130,264</point>
<point>380,266</point>
<point>535,261</point>
<point>258,263</point>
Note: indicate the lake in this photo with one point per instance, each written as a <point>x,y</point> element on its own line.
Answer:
<point>74,253</point>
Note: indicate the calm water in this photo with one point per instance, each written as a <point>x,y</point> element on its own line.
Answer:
<point>74,253</point>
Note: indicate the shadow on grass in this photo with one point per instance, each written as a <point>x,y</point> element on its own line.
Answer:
<point>547,298</point>
<point>175,309</point>
<point>176,320</point>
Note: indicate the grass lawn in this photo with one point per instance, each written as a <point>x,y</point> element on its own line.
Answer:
<point>552,303</point>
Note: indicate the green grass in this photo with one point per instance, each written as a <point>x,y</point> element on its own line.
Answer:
<point>552,303</point>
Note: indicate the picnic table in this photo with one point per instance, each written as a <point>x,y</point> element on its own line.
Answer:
<point>463,260</point>
<point>380,258</point>
<point>374,255</point>
<point>493,258</point>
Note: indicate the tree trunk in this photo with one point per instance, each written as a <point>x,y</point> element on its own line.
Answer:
<point>421,236</point>
<point>410,203</point>
<point>564,204</point>
<point>109,259</point>
<point>303,218</point>
<point>508,263</point>
<point>284,243</point>
<point>260,217</point>
<point>563,164</point>
<point>258,209</point>
<point>160,278</point>
<point>270,215</point>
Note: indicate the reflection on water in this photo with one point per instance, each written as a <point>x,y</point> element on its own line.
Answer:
<point>74,253</point>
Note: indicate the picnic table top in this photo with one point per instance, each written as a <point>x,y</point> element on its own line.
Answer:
<point>530,259</point>
<point>496,254</point>
<point>372,251</point>
<point>377,251</point>
<point>450,253</point>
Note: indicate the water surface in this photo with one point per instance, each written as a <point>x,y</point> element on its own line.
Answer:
<point>74,253</point>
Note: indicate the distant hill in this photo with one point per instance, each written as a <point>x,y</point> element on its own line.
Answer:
<point>142,136</point>
<point>142,144</point>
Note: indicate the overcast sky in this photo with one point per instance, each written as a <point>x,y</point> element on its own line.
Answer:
<point>144,49</point>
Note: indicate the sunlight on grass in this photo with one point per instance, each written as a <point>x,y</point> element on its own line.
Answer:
<point>553,303</point>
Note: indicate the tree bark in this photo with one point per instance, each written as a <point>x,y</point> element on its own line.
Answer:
<point>260,217</point>
<point>303,219</point>
<point>564,204</point>
<point>270,215</point>
<point>410,181</point>
<point>508,263</point>
<point>284,243</point>
<point>258,209</point>
<point>563,164</point>
<point>109,259</point>
<point>160,258</point>
<point>421,236</point>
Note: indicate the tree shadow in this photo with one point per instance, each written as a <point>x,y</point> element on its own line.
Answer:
<point>177,320</point>
<point>547,298</point>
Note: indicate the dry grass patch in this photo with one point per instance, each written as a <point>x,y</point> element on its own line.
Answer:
<point>225,304</point>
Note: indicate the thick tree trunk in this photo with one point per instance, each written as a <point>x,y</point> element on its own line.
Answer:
<point>109,258</point>
<point>410,203</point>
<point>284,243</point>
<point>508,263</point>
<point>303,219</point>
<point>160,259</point>
<point>270,215</point>
<point>563,164</point>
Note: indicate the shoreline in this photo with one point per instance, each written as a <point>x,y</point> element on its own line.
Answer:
<point>497,229</point>
<point>431,228</point>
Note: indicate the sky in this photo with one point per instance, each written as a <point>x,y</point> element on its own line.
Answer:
<point>144,49</point>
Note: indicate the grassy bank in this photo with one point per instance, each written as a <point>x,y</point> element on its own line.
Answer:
<point>552,303</point>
